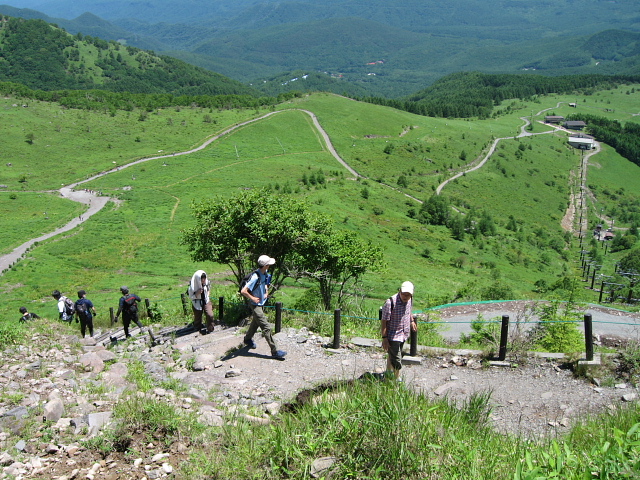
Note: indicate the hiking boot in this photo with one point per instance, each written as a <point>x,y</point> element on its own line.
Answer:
<point>279,354</point>
<point>250,343</point>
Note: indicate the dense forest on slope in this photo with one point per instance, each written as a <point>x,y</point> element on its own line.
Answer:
<point>474,94</point>
<point>388,49</point>
<point>624,138</point>
<point>41,56</point>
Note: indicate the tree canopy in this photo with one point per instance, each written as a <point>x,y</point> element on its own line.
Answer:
<point>305,244</point>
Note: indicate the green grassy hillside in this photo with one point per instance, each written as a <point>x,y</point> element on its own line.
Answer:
<point>135,240</point>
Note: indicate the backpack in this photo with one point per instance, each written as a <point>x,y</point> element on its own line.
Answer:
<point>130,306</point>
<point>82,310</point>
<point>69,307</point>
<point>246,279</point>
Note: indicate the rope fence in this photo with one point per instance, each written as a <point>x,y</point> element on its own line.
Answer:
<point>338,316</point>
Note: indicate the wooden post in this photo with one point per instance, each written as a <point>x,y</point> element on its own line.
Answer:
<point>588,336</point>
<point>147,304</point>
<point>336,328</point>
<point>183,299</point>
<point>111,315</point>
<point>220,309</point>
<point>278,317</point>
<point>413,338</point>
<point>504,335</point>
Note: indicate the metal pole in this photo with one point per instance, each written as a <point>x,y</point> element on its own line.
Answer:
<point>588,336</point>
<point>220,309</point>
<point>278,317</point>
<point>593,278</point>
<point>336,328</point>
<point>601,290</point>
<point>504,334</point>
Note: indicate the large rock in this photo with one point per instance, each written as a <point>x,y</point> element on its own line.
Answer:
<point>92,362</point>
<point>53,410</point>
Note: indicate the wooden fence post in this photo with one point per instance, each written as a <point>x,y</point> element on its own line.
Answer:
<point>278,317</point>
<point>588,336</point>
<point>336,328</point>
<point>183,299</point>
<point>504,336</point>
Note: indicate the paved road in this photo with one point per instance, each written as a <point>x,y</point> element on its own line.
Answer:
<point>606,321</point>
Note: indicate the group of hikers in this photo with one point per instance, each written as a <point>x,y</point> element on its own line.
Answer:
<point>396,324</point>
<point>83,310</point>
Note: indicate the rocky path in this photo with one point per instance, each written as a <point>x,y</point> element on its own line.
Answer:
<point>75,384</point>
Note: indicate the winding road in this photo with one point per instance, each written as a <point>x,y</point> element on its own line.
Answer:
<point>96,203</point>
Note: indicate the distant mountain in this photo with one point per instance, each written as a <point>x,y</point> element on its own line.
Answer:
<point>386,48</point>
<point>498,19</point>
<point>89,24</point>
<point>42,56</point>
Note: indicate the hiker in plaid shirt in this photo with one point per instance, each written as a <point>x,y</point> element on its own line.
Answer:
<point>397,324</point>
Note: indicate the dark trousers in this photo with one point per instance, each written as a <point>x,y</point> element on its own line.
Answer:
<point>84,323</point>
<point>126,321</point>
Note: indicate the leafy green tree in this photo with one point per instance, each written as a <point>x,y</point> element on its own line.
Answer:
<point>558,329</point>
<point>337,260</point>
<point>435,211</point>
<point>236,231</point>
<point>631,262</point>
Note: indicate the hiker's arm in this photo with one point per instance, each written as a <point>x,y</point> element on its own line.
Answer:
<point>246,293</point>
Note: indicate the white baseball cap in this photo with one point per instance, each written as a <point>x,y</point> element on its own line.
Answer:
<point>265,260</point>
<point>407,287</point>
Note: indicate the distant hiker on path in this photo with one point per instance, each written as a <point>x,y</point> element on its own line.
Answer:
<point>396,326</point>
<point>26,316</point>
<point>256,289</point>
<point>66,307</point>
<point>199,293</point>
<point>128,306</point>
<point>85,312</point>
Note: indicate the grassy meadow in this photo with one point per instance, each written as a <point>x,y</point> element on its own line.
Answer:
<point>135,239</point>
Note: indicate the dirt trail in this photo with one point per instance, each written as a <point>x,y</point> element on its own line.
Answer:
<point>97,202</point>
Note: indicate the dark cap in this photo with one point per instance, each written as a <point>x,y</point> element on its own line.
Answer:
<point>124,289</point>
<point>81,293</point>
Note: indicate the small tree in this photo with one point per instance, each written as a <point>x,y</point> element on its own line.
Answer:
<point>238,230</point>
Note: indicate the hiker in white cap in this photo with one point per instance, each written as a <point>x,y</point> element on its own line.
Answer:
<point>257,291</point>
<point>396,326</point>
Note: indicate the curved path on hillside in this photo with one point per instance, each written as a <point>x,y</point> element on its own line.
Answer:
<point>97,202</point>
